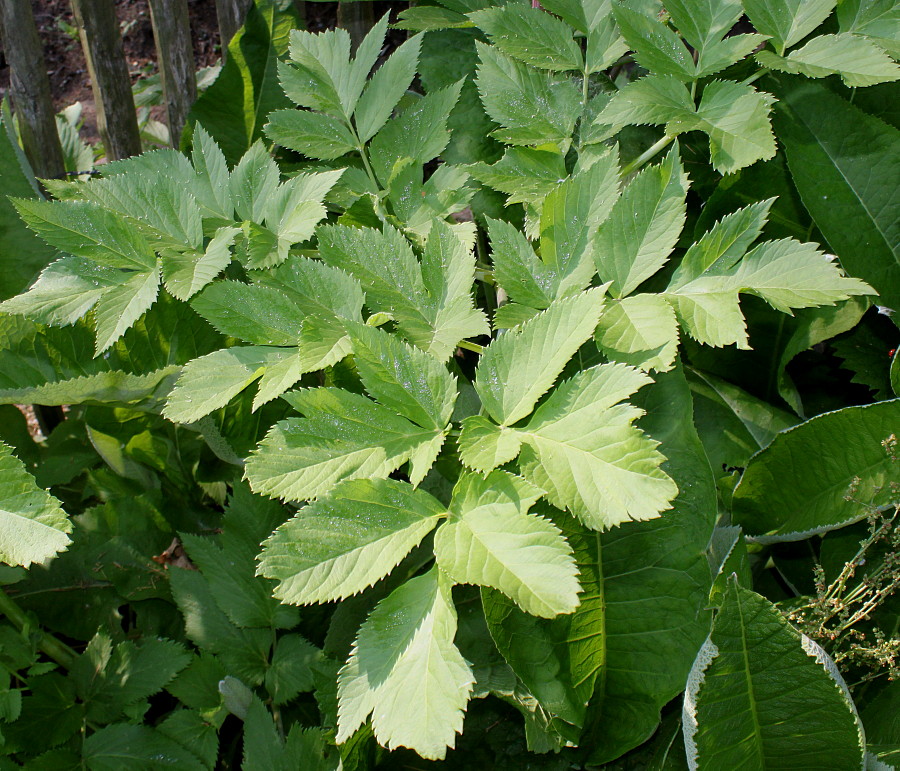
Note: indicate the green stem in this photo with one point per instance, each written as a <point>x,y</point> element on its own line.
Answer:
<point>61,653</point>
<point>471,346</point>
<point>754,77</point>
<point>650,152</point>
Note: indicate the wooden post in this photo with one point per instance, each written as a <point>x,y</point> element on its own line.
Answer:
<point>357,18</point>
<point>110,82</point>
<point>231,14</point>
<point>30,89</point>
<point>176,61</point>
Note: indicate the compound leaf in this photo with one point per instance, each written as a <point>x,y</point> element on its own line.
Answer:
<point>530,35</point>
<point>581,447</point>
<point>347,540</point>
<point>406,671</point>
<point>858,61</point>
<point>787,21</point>
<point>636,240</point>
<point>344,436</point>
<point>490,539</point>
<point>519,366</point>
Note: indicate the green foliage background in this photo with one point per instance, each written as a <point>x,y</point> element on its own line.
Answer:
<point>510,400</point>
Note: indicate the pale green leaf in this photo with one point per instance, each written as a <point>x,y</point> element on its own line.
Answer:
<point>517,269</point>
<point>209,382</point>
<point>321,291</point>
<point>654,99</point>
<point>121,306</point>
<point>253,182</point>
<point>319,347</point>
<point>704,24</point>
<point>525,174</point>
<point>629,645</point>
<point>762,695</point>
<point>484,445</point>
<point>858,61</point>
<point>321,76</point>
<point>87,230</point>
<point>403,378</point>
<point>640,330</point>
<point>787,21</point>
<point>724,244</point>
<point>34,526</point>
<point>256,314</point>
<point>186,273</point>
<point>655,46</point>
<point>386,87</point>
<point>532,107</point>
<point>569,219</point>
<point>344,436</point>
<point>431,302</point>
<point>65,291</point>
<point>605,45</point>
<point>521,365</point>
<point>406,671</point>
<point>786,273</point>
<point>878,20</point>
<point>158,204</point>
<point>636,240</point>
<point>530,35</point>
<point>419,133</point>
<point>311,133</point>
<point>821,474</point>
<point>581,447</point>
<point>211,188</point>
<point>490,539</point>
<point>347,540</point>
<point>736,117</point>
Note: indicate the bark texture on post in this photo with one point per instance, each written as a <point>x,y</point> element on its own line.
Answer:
<point>231,14</point>
<point>175,53</point>
<point>110,82</point>
<point>357,18</point>
<point>29,88</point>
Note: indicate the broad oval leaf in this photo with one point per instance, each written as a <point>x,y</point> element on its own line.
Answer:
<point>821,474</point>
<point>760,695</point>
<point>347,540</point>
<point>840,159</point>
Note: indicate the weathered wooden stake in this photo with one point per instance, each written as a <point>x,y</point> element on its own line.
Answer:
<point>30,88</point>
<point>110,82</point>
<point>231,14</point>
<point>176,61</point>
<point>357,18</point>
